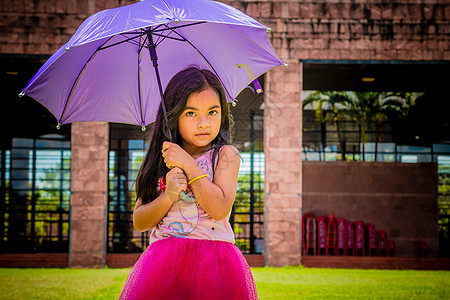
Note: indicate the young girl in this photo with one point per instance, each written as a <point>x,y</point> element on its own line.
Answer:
<point>191,253</point>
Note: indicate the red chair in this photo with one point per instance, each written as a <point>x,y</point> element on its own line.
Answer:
<point>382,243</point>
<point>391,247</point>
<point>311,234</point>
<point>350,238</point>
<point>359,238</point>
<point>331,234</point>
<point>303,236</point>
<point>341,237</point>
<point>331,218</point>
<point>321,236</point>
<point>309,215</point>
<point>371,239</point>
<point>423,248</point>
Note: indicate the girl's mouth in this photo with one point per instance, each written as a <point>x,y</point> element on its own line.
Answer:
<point>202,134</point>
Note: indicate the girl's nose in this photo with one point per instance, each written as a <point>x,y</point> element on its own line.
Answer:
<point>203,123</point>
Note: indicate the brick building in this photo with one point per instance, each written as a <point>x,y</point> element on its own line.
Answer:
<point>329,45</point>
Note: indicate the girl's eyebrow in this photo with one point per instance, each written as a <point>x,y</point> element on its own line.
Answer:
<point>194,108</point>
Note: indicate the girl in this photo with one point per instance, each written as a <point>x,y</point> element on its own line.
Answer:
<point>191,253</point>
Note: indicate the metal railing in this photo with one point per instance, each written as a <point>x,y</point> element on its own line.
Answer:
<point>35,190</point>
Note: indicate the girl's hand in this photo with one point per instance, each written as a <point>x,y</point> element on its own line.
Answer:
<point>175,156</point>
<point>176,182</point>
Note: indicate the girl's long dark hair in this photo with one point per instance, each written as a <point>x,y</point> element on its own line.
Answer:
<point>180,87</point>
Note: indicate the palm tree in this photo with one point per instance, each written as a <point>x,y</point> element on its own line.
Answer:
<point>365,108</point>
<point>330,107</point>
<point>375,108</point>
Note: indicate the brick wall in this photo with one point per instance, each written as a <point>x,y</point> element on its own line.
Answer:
<point>355,29</point>
<point>283,180</point>
<point>309,29</point>
<point>34,260</point>
<point>42,27</point>
<point>396,197</point>
<point>89,197</point>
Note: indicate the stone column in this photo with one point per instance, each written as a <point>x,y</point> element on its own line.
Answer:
<point>283,178</point>
<point>89,197</point>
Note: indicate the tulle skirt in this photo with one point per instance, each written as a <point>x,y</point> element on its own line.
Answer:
<point>183,268</point>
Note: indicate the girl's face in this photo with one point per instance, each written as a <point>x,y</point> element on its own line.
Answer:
<point>199,123</point>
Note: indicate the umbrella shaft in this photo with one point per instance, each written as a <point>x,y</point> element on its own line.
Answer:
<point>162,102</point>
<point>153,56</point>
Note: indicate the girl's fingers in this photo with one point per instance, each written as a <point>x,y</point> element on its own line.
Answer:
<point>177,174</point>
<point>165,161</point>
<point>177,179</point>
<point>176,170</point>
<point>166,154</point>
<point>182,184</point>
<point>172,155</point>
<point>180,178</point>
<point>166,146</point>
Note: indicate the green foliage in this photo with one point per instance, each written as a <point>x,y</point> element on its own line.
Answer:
<point>51,195</point>
<point>368,108</point>
<point>444,202</point>
<point>444,180</point>
<point>365,108</point>
<point>242,243</point>
<point>242,200</point>
<point>51,190</point>
<point>329,106</point>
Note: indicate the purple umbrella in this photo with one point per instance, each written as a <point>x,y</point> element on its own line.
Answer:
<point>108,70</point>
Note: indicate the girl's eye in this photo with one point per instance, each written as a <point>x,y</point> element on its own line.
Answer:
<point>213,113</point>
<point>190,114</point>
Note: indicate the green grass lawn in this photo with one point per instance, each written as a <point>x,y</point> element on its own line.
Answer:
<point>272,283</point>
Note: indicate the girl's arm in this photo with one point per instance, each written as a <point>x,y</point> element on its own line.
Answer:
<point>217,197</point>
<point>147,216</point>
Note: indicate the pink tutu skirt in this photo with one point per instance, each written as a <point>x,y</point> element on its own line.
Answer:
<point>183,268</point>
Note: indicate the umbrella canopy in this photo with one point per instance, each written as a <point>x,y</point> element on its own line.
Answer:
<point>108,70</point>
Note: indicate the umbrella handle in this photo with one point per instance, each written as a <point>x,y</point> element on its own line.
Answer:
<point>186,197</point>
